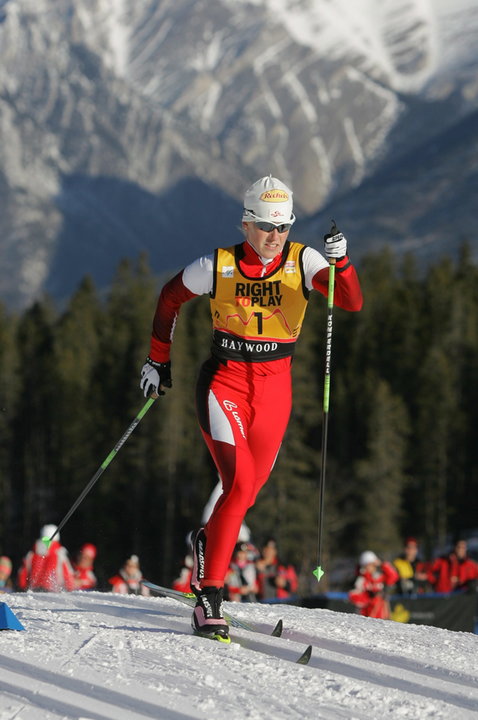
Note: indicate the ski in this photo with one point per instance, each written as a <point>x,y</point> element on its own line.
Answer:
<point>189,599</point>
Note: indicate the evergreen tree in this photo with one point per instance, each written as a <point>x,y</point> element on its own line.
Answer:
<point>8,393</point>
<point>76,347</point>
<point>464,345</point>
<point>35,440</point>
<point>401,457</point>
<point>381,474</point>
<point>122,497</point>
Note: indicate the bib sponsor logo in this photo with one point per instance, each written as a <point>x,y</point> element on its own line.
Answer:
<point>227,271</point>
<point>262,294</point>
<point>289,267</point>
<point>249,347</point>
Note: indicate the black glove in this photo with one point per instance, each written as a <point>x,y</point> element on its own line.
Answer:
<point>155,375</point>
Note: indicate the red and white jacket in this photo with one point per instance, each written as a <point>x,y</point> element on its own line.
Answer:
<point>48,570</point>
<point>369,585</point>
<point>85,578</point>
<point>198,279</point>
<point>128,584</point>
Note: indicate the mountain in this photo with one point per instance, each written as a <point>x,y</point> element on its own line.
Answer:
<point>99,656</point>
<point>130,126</point>
<point>424,203</point>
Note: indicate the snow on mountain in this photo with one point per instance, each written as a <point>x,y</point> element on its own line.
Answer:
<point>149,98</point>
<point>98,656</point>
<point>394,38</point>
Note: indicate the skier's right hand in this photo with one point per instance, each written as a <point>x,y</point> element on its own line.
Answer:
<point>155,376</point>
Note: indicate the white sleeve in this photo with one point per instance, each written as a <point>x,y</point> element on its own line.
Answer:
<point>312,261</point>
<point>198,276</point>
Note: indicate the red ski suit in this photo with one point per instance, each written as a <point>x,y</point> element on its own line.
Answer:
<point>244,391</point>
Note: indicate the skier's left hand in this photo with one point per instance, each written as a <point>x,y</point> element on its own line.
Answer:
<point>154,377</point>
<point>335,246</point>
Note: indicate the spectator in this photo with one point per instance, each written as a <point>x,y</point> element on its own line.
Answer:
<point>47,568</point>
<point>413,575</point>
<point>454,572</point>
<point>6,585</point>
<point>241,579</point>
<point>276,579</point>
<point>85,578</point>
<point>128,580</point>
<point>369,593</point>
<point>183,582</point>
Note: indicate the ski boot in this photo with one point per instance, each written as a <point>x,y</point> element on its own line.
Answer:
<point>208,620</point>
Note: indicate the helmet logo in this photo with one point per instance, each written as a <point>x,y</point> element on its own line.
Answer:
<point>274,196</point>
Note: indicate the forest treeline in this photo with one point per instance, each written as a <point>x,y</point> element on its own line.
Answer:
<point>402,452</point>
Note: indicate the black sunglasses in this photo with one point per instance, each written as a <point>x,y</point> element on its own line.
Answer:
<point>269,227</point>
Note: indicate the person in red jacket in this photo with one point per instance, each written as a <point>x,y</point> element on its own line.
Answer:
<point>241,579</point>
<point>369,590</point>
<point>46,569</point>
<point>275,578</point>
<point>183,582</point>
<point>85,578</point>
<point>454,572</point>
<point>128,580</point>
<point>6,585</point>
<point>258,292</point>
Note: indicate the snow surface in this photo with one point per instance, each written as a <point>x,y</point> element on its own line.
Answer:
<point>99,656</point>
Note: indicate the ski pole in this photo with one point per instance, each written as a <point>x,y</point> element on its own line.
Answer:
<point>318,572</point>
<point>103,467</point>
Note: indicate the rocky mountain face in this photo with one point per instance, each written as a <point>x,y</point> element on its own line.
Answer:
<point>136,125</point>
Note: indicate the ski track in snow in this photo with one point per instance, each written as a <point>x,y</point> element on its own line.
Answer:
<point>98,656</point>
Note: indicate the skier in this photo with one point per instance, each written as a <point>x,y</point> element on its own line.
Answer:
<point>258,295</point>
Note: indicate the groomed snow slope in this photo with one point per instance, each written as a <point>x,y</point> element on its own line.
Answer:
<point>98,656</point>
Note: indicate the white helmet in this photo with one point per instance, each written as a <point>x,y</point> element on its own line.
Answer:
<point>48,530</point>
<point>368,557</point>
<point>268,199</point>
